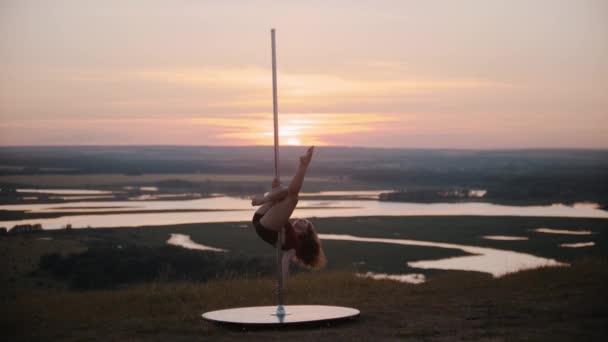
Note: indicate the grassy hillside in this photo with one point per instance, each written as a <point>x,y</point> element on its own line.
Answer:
<point>124,248</point>
<point>554,304</point>
<point>138,288</point>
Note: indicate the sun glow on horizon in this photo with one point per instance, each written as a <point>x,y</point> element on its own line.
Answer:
<point>295,128</point>
<point>294,142</point>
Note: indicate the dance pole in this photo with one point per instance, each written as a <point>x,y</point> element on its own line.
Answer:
<point>275,106</point>
<point>280,308</point>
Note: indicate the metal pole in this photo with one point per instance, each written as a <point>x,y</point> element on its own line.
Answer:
<point>275,106</point>
<point>280,309</point>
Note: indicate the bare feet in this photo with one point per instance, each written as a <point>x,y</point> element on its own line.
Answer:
<point>305,159</point>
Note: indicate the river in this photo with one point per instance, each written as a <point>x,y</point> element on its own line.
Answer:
<point>108,214</point>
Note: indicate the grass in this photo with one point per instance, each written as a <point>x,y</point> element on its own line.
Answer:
<point>19,257</point>
<point>238,237</point>
<point>550,304</point>
<point>545,304</point>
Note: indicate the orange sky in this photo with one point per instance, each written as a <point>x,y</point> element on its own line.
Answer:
<point>467,74</point>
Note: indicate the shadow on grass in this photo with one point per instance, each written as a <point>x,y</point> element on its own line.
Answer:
<point>240,327</point>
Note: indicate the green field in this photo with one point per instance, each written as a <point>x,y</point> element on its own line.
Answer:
<point>163,296</point>
<point>241,241</point>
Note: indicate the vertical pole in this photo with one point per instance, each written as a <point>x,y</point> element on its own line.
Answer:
<point>280,309</point>
<point>275,106</point>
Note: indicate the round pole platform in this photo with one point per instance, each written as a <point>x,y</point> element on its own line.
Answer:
<point>294,315</point>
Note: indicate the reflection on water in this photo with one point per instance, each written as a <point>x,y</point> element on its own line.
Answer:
<point>356,194</point>
<point>577,244</point>
<point>563,231</point>
<point>347,193</point>
<point>413,278</point>
<point>477,193</point>
<point>232,209</point>
<point>182,240</point>
<point>497,262</point>
<point>66,191</point>
<point>78,198</point>
<point>586,205</point>
<point>148,197</point>
<point>504,237</point>
<point>86,208</point>
<point>143,198</point>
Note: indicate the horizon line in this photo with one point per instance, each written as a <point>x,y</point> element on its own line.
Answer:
<point>319,146</point>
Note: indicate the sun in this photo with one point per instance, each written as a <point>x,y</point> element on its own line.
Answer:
<point>293,141</point>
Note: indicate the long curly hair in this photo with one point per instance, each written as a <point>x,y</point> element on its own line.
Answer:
<point>309,252</point>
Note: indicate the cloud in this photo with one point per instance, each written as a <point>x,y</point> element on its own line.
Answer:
<point>237,90</point>
<point>302,84</point>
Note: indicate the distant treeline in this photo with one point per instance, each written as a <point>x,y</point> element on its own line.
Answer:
<point>259,160</point>
<point>110,267</point>
<point>508,175</point>
<point>521,187</point>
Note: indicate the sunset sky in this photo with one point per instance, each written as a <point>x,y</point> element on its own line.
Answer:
<point>419,74</point>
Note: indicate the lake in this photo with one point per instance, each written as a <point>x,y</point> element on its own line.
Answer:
<point>108,214</point>
<point>497,262</point>
<point>157,212</point>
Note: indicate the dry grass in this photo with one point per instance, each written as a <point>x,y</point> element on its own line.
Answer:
<point>545,304</point>
<point>19,257</point>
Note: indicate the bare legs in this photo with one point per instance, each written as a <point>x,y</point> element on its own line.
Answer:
<point>276,215</point>
<point>275,195</point>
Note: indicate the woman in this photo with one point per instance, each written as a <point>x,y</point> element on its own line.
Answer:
<point>300,239</point>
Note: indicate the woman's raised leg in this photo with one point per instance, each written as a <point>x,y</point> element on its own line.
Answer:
<point>277,216</point>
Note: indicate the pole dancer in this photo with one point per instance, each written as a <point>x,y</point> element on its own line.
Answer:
<point>273,222</point>
<point>297,238</point>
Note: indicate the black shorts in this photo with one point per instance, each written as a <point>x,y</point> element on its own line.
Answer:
<point>266,234</point>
